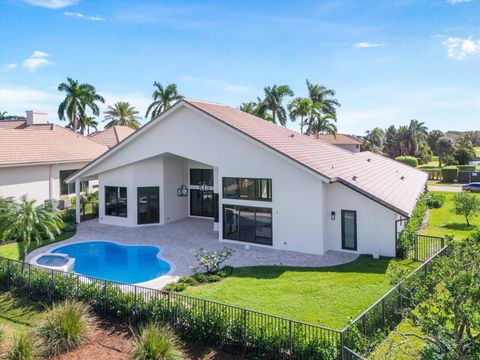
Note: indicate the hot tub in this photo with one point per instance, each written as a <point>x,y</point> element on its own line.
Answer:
<point>61,262</point>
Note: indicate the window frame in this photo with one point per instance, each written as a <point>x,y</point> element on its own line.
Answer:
<point>354,212</point>
<point>203,177</point>
<point>63,184</point>
<point>238,209</point>
<point>118,190</point>
<point>256,190</point>
<point>139,188</point>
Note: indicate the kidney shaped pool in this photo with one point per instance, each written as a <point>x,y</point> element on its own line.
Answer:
<point>106,260</point>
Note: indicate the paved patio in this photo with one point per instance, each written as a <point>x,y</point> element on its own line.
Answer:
<point>179,238</point>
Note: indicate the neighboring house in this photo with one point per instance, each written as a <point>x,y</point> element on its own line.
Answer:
<point>262,184</point>
<point>111,136</point>
<point>343,141</point>
<point>36,157</point>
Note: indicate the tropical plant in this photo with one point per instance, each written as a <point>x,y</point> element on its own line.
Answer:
<point>417,133</point>
<point>273,101</point>
<point>28,222</point>
<point>163,97</point>
<point>89,122</point>
<point>24,347</point>
<point>321,124</point>
<point>322,95</point>
<point>154,342</point>
<point>210,261</point>
<point>432,139</point>
<point>300,108</point>
<point>445,149</point>
<point>78,98</point>
<point>122,114</point>
<point>391,146</point>
<point>376,136</point>
<point>3,115</point>
<point>465,152</point>
<point>66,327</point>
<point>467,205</point>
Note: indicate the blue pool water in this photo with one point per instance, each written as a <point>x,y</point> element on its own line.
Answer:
<point>52,260</point>
<point>109,261</point>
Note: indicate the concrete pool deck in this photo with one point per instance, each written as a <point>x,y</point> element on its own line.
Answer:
<point>177,241</point>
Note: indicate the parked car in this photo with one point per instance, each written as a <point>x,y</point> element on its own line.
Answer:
<point>472,187</point>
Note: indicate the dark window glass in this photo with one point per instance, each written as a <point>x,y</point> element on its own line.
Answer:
<point>201,203</point>
<point>349,230</point>
<point>116,201</point>
<point>67,189</point>
<point>148,205</point>
<point>248,224</point>
<point>201,176</point>
<point>247,189</point>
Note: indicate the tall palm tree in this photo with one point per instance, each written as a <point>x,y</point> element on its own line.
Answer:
<point>3,115</point>
<point>417,132</point>
<point>322,124</point>
<point>248,107</point>
<point>31,223</point>
<point>300,107</point>
<point>258,109</point>
<point>122,114</point>
<point>376,136</point>
<point>163,97</point>
<point>89,122</point>
<point>274,97</point>
<point>321,94</point>
<point>78,98</point>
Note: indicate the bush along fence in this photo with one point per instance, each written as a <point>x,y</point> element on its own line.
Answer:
<point>407,237</point>
<point>254,334</point>
<point>364,333</point>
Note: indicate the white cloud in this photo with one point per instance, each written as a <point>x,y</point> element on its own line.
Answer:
<point>36,61</point>
<point>10,66</point>
<point>17,99</point>
<point>51,4</point>
<point>461,48</point>
<point>366,45</point>
<point>82,16</point>
<point>455,2</point>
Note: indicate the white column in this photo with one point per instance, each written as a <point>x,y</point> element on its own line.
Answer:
<point>77,201</point>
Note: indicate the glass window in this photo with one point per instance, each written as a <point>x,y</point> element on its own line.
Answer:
<point>148,205</point>
<point>201,176</point>
<point>248,224</point>
<point>67,189</point>
<point>201,203</point>
<point>247,189</point>
<point>116,201</point>
<point>349,230</point>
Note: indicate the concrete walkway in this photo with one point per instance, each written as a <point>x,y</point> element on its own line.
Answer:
<point>178,239</point>
<point>445,188</point>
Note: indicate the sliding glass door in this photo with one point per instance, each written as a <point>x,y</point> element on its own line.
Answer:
<point>201,203</point>
<point>148,205</point>
<point>248,224</point>
<point>349,230</point>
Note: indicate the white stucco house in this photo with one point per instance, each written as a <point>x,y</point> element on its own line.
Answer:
<point>262,184</point>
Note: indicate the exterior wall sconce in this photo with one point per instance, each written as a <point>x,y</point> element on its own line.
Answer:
<point>182,191</point>
<point>332,215</point>
<point>202,187</point>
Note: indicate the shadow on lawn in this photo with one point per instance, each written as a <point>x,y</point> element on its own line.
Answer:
<point>364,264</point>
<point>18,311</point>
<point>459,226</point>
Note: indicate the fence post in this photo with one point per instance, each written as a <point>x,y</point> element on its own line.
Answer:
<point>383,313</point>
<point>342,345</point>
<point>290,340</point>
<point>244,331</point>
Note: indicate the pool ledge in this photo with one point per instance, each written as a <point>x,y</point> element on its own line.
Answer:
<point>66,267</point>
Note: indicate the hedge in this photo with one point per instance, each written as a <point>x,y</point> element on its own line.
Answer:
<point>466,168</point>
<point>450,173</point>
<point>408,160</point>
<point>409,232</point>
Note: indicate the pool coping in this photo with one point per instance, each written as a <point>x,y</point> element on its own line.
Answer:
<point>156,283</point>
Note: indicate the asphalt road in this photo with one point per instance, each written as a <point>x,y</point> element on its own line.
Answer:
<point>445,188</point>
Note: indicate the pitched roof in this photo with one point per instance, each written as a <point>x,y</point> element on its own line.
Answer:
<point>111,136</point>
<point>338,139</point>
<point>11,124</point>
<point>46,143</point>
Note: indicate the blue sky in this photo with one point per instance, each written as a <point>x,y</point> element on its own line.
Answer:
<point>389,61</point>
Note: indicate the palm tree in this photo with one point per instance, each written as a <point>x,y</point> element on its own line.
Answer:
<point>3,115</point>
<point>163,99</point>
<point>258,109</point>
<point>321,94</point>
<point>78,98</point>
<point>322,125</point>
<point>273,101</point>
<point>376,136</point>
<point>28,222</point>
<point>89,122</point>
<point>122,114</point>
<point>300,107</point>
<point>248,107</point>
<point>417,133</point>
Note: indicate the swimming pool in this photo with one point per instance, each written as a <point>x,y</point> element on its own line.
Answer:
<point>106,260</point>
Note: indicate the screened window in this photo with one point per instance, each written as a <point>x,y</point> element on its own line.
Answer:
<point>116,201</point>
<point>201,176</point>
<point>67,189</point>
<point>248,224</point>
<point>247,189</point>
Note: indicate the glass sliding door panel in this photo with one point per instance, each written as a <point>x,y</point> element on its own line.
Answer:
<point>230,222</point>
<point>148,205</point>
<point>263,226</point>
<point>247,223</point>
<point>349,230</point>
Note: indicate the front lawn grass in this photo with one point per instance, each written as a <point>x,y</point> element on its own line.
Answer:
<point>328,296</point>
<point>444,222</point>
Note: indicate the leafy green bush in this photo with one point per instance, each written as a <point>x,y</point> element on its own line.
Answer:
<point>154,342</point>
<point>67,326</point>
<point>450,173</point>
<point>189,280</point>
<point>435,201</point>
<point>176,286</point>
<point>210,261</point>
<point>24,347</point>
<point>466,168</point>
<point>407,237</point>
<point>408,160</point>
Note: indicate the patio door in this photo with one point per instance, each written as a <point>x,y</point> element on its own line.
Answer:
<point>201,203</point>
<point>349,230</point>
<point>148,205</point>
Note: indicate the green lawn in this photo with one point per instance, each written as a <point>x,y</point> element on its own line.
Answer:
<point>477,151</point>
<point>444,222</point>
<point>328,296</point>
<point>14,250</point>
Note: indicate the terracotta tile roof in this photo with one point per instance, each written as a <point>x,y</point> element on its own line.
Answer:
<point>11,124</point>
<point>339,139</point>
<point>46,143</point>
<point>389,182</point>
<point>111,136</point>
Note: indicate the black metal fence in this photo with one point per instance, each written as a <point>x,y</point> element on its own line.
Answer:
<point>424,247</point>
<point>88,211</point>
<point>252,333</point>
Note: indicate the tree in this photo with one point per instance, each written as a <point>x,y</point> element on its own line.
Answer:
<point>89,122</point>
<point>376,136</point>
<point>273,101</point>
<point>78,98</point>
<point>163,98</point>
<point>391,146</point>
<point>445,149</point>
<point>3,115</point>
<point>28,223</point>
<point>258,109</point>
<point>300,107</point>
<point>432,139</point>
<point>322,95</point>
<point>467,205</point>
<point>122,114</point>
<point>320,123</point>
<point>464,152</point>
<point>417,133</point>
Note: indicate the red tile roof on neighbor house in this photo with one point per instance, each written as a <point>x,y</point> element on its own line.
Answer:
<point>111,136</point>
<point>389,182</point>
<point>45,144</point>
<point>11,124</point>
<point>338,139</point>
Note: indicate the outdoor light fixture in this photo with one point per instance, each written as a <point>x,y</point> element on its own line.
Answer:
<point>202,187</point>
<point>332,215</point>
<point>182,191</point>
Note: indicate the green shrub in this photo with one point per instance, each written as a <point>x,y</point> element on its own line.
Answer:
<point>407,237</point>
<point>408,160</point>
<point>200,277</point>
<point>66,327</point>
<point>226,271</point>
<point>154,342</point>
<point>214,278</point>
<point>450,173</point>
<point>466,168</point>
<point>435,201</point>
<point>176,287</point>
<point>189,280</point>
<point>24,347</point>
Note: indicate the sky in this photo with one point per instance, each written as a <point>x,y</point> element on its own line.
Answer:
<point>388,61</point>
